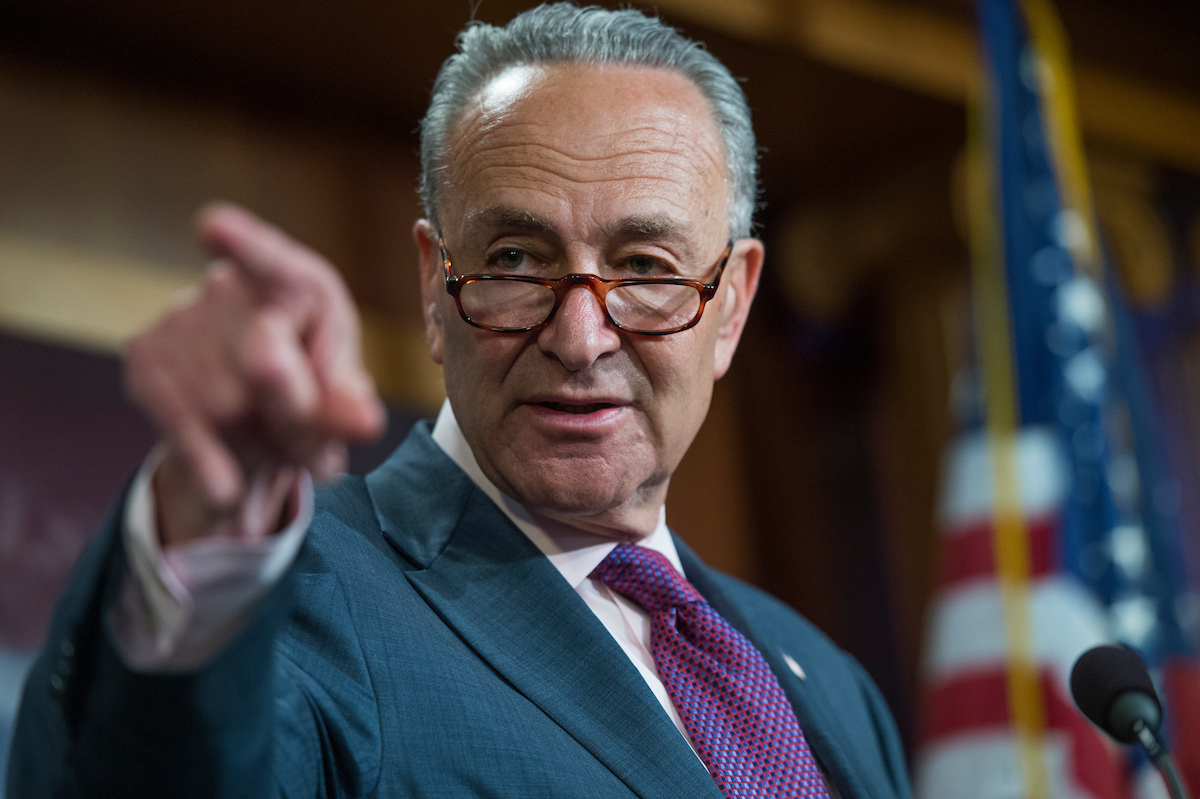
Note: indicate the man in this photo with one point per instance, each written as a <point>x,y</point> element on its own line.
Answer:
<point>500,609</point>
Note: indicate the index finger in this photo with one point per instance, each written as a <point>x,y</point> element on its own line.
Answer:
<point>311,294</point>
<point>271,259</point>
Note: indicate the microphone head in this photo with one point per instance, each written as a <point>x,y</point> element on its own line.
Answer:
<point>1112,687</point>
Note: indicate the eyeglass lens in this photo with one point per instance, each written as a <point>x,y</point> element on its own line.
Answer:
<point>646,308</point>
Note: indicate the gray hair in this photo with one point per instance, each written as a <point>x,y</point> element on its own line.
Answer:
<point>566,33</point>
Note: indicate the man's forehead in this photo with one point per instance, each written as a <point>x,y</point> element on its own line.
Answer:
<point>645,132</point>
<point>601,104</point>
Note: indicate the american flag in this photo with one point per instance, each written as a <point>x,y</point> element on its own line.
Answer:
<point>1057,530</point>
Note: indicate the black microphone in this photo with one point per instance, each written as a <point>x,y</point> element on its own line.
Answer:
<point>1113,689</point>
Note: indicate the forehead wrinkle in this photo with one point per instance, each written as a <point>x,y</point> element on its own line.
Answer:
<point>649,139</point>
<point>538,153</point>
<point>503,170</point>
<point>531,181</point>
<point>684,141</point>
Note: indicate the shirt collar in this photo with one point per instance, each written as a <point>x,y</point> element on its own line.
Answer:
<point>574,552</point>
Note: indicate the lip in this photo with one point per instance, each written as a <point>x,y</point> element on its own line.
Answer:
<point>551,412</point>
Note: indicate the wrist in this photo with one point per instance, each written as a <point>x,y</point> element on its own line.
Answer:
<point>184,514</point>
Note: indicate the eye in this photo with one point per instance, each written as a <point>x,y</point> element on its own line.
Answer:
<point>509,259</point>
<point>642,265</point>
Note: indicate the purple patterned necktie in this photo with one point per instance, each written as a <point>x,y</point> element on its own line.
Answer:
<point>733,708</point>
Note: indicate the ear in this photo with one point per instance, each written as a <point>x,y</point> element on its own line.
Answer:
<point>738,286</point>
<point>432,268</point>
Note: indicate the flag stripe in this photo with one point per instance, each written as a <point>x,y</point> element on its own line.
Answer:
<point>977,701</point>
<point>1181,683</point>
<point>967,554</point>
<point>965,624</point>
<point>968,497</point>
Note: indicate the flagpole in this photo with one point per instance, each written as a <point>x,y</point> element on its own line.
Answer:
<point>1010,534</point>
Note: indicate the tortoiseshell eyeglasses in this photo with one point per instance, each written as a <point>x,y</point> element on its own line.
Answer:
<point>649,306</point>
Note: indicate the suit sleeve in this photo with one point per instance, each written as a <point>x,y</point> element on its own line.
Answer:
<point>238,726</point>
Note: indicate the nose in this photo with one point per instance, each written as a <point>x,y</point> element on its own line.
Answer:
<point>580,333</point>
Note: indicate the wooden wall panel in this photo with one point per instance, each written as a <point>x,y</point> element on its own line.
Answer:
<point>100,185</point>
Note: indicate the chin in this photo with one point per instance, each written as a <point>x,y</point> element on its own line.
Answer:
<point>572,487</point>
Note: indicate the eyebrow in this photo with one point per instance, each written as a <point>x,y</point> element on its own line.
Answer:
<point>646,227</point>
<point>515,220</point>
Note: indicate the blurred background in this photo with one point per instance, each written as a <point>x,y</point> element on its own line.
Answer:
<point>816,475</point>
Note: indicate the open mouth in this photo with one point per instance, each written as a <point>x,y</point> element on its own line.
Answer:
<point>581,409</point>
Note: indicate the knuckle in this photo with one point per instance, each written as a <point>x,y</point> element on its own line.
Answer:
<point>225,403</point>
<point>222,287</point>
<point>265,374</point>
<point>324,276</point>
<point>263,361</point>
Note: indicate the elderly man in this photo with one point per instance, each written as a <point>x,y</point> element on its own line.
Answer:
<point>500,609</point>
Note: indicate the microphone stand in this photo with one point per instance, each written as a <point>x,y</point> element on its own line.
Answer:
<point>1158,754</point>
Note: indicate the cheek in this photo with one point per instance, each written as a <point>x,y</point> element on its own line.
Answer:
<point>681,376</point>
<point>476,365</point>
<point>462,370</point>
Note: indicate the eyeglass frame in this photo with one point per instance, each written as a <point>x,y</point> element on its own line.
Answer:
<point>598,286</point>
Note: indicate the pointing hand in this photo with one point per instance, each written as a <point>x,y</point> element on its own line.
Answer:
<point>252,379</point>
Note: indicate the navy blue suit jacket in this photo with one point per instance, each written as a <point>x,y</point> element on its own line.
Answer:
<point>420,646</point>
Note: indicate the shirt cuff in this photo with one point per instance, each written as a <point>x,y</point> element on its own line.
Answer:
<point>177,607</point>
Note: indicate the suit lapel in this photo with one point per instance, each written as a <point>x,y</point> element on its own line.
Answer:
<point>491,585</point>
<point>828,739</point>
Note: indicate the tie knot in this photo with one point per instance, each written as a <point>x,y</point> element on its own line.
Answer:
<point>646,577</point>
